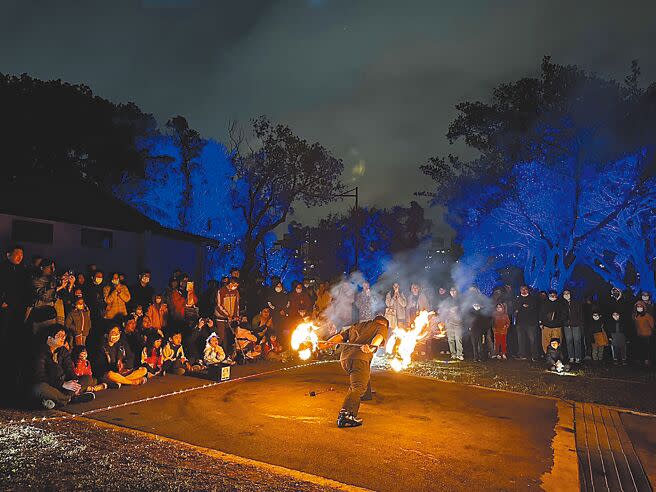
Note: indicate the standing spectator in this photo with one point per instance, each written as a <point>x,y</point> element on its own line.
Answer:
<point>158,314</point>
<point>115,361</point>
<point>323,299</point>
<point>500,328</point>
<point>278,302</point>
<point>552,319</point>
<point>142,292</point>
<point>416,302</point>
<point>395,305</point>
<point>14,298</point>
<point>227,313</point>
<point>644,329</point>
<point>479,324</point>
<point>183,300</point>
<point>365,302</point>
<point>78,322</point>
<point>300,305</point>
<point>207,301</point>
<point>442,295</point>
<point>617,331</point>
<point>645,297</point>
<point>116,297</point>
<point>526,320</point>
<point>308,286</point>
<point>453,322</point>
<point>50,385</point>
<point>600,337</point>
<point>94,297</point>
<point>573,326</point>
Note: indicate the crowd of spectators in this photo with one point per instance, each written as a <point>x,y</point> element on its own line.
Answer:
<point>68,335</point>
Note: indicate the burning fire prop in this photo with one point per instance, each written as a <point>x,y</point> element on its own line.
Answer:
<point>401,343</point>
<point>305,340</point>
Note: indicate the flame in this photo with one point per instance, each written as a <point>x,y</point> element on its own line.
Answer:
<point>401,343</point>
<point>305,340</point>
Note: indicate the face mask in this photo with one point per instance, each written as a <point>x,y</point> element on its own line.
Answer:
<point>278,289</point>
<point>298,291</point>
<point>552,299</point>
<point>114,338</point>
<point>477,307</point>
<point>80,307</point>
<point>566,297</point>
<point>596,318</point>
<point>115,281</point>
<point>145,280</point>
<point>83,356</point>
<point>98,281</point>
<point>645,298</point>
<point>616,317</point>
<point>524,294</point>
<point>640,310</point>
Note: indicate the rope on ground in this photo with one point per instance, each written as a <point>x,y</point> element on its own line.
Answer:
<point>158,397</point>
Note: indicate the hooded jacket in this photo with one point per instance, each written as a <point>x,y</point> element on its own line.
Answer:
<point>501,321</point>
<point>79,321</point>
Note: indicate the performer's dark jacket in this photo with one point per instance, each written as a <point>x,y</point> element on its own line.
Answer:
<point>362,333</point>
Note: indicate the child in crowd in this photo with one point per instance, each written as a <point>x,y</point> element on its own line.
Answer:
<point>151,356</point>
<point>644,328</point>
<point>555,358</point>
<point>272,348</point>
<point>213,353</point>
<point>82,369</point>
<point>600,338</point>
<point>78,322</point>
<point>617,332</point>
<point>174,356</point>
<point>158,313</point>
<point>500,327</point>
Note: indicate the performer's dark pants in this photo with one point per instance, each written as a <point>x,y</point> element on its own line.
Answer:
<point>359,371</point>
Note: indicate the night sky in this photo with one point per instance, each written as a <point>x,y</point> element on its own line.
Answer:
<point>374,81</point>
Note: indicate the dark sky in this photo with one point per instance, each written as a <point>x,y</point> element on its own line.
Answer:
<point>375,81</point>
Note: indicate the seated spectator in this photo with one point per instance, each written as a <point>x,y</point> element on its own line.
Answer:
<point>115,362</point>
<point>175,360</point>
<point>116,297</point>
<point>600,338</point>
<point>194,340</point>
<point>555,358</point>
<point>82,370</point>
<point>262,323</point>
<point>213,353</point>
<point>151,355</point>
<point>246,342</point>
<point>50,385</point>
<point>78,322</point>
<point>158,313</point>
<point>272,348</point>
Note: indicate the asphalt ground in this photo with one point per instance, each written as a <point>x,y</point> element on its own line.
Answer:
<point>418,433</point>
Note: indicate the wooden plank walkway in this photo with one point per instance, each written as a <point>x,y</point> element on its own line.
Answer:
<point>607,459</point>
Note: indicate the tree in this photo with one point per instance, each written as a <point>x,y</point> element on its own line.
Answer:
<point>546,147</point>
<point>55,130</point>
<point>282,170</point>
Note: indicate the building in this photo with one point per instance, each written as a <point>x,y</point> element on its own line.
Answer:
<point>78,224</point>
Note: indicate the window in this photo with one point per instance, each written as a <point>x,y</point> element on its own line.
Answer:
<point>95,238</point>
<point>31,232</point>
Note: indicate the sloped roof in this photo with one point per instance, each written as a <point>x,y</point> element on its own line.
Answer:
<point>79,202</point>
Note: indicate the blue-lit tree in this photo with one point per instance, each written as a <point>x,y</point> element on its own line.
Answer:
<point>566,160</point>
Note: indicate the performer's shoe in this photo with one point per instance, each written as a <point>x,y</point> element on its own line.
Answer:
<point>347,419</point>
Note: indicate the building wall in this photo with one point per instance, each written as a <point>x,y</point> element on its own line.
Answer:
<point>130,251</point>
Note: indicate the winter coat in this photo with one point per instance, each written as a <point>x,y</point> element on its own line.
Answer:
<point>173,352</point>
<point>479,323</point>
<point>552,314</point>
<point>415,304</point>
<point>213,355</point>
<point>597,326</point>
<point>83,368</point>
<point>553,356</point>
<point>14,286</point>
<point>277,301</point>
<point>141,296</point>
<point>396,306</point>
<point>258,325</point>
<point>118,356</point>
<point>526,311</point>
<point>227,304</point>
<point>44,291</point>
<point>116,298</point>
<point>619,326</point>
<point>573,312</point>
<point>644,324</point>
<point>323,301</point>
<point>180,301</point>
<point>365,304</point>
<point>271,346</point>
<point>501,322</point>
<point>158,315</point>
<point>79,322</point>
<point>152,357</point>
<point>49,367</point>
<point>300,302</point>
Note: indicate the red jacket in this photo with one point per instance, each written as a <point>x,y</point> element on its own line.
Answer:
<point>501,322</point>
<point>82,368</point>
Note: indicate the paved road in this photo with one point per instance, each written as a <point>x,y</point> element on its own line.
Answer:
<point>419,434</point>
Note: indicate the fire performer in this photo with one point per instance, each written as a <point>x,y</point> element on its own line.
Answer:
<point>364,339</point>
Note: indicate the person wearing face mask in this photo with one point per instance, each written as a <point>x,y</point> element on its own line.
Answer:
<point>526,321</point>
<point>573,327</point>
<point>645,297</point>
<point>278,302</point>
<point>600,337</point>
<point>552,319</point>
<point>299,302</point>
<point>142,292</point>
<point>227,313</point>
<point>364,301</point>
<point>78,322</point>
<point>644,330</point>
<point>116,296</point>
<point>417,302</point>
<point>617,331</point>
<point>115,361</point>
<point>395,304</point>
